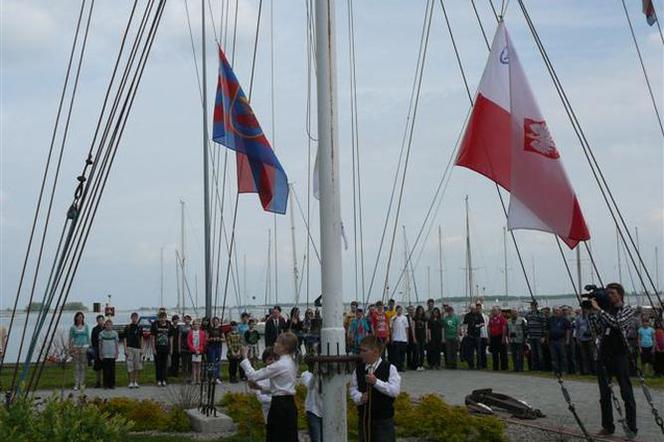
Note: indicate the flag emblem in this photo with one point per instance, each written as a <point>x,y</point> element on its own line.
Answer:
<point>538,139</point>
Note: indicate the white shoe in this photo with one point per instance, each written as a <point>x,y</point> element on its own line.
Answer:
<point>76,387</point>
<point>135,384</point>
<point>131,385</point>
<point>218,381</point>
<point>163,383</point>
<point>420,368</point>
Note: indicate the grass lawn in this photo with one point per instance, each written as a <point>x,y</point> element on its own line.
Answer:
<point>54,377</point>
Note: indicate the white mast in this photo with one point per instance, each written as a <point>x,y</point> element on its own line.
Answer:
<point>406,274</point>
<point>182,259</point>
<point>469,259</point>
<point>161,278</point>
<point>332,334</point>
<point>440,261</point>
<point>579,281</point>
<point>206,183</point>
<point>268,275</point>
<point>618,254</point>
<point>507,291</point>
<point>657,269</point>
<point>295,269</point>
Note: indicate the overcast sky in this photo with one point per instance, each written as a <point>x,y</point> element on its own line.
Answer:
<point>160,160</point>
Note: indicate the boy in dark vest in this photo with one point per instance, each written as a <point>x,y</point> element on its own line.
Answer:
<point>374,386</point>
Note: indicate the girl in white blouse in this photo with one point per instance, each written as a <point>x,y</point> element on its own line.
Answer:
<point>282,374</point>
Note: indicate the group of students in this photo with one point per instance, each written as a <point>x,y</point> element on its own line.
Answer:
<point>557,340</point>
<point>176,346</point>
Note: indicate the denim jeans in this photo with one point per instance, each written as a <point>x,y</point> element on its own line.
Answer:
<point>214,357</point>
<point>558,356</point>
<point>315,427</point>
<point>536,354</point>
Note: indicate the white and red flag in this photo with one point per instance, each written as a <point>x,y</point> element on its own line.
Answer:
<point>508,141</point>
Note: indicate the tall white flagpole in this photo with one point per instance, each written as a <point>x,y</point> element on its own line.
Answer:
<point>332,333</point>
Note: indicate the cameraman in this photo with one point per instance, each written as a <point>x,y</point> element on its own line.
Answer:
<point>613,320</point>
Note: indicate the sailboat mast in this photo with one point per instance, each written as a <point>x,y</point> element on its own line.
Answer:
<point>268,275</point>
<point>406,279</point>
<point>507,291</point>
<point>182,258</point>
<point>332,334</point>
<point>469,258</point>
<point>440,261</point>
<point>579,281</point>
<point>657,268</point>
<point>618,255</point>
<point>161,278</point>
<point>206,180</point>
<point>294,247</point>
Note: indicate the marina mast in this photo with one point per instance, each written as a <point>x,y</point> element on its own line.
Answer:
<point>206,181</point>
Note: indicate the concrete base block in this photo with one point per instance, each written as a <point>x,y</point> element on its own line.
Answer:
<point>201,423</point>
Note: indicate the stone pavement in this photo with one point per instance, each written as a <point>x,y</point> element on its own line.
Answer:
<point>538,392</point>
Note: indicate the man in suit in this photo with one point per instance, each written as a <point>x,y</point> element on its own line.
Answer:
<point>274,325</point>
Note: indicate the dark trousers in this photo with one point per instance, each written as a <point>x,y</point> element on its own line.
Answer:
<point>498,353</point>
<point>233,364</point>
<point>174,369</point>
<point>282,420</point>
<point>616,366</point>
<point>185,361</point>
<point>659,363</point>
<point>558,356</point>
<point>484,343</point>
<point>587,350</point>
<point>161,365</point>
<point>433,354</point>
<point>536,354</point>
<point>399,350</point>
<point>419,353</point>
<point>451,349</point>
<point>382,430</point>
<point>315,427</point>
<point>108,370</point>
<point>411,355</point>
<point>517,355</point>
<point>473,346</point>
<point>570,352</point>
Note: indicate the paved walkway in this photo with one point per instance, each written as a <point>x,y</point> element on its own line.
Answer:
<point>539,392</point>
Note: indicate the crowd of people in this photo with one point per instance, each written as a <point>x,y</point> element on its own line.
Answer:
<point>558,340</point>
<point>387,339</point>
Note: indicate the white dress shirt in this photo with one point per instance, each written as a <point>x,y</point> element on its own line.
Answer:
<point>399,328</point>
<point>391,388</point>
<point>483,330</point>
<point>282,375</point>
<point>313,403</point>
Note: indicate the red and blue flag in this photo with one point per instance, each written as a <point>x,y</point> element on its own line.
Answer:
<point>236,127</point>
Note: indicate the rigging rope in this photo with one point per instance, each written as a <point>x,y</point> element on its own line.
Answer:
<point>98,185</point>
<point>643,67</point>
<point>43,183</point>
<point>429,15</point>
<point>237,195</point>
<point>399,161</point>
<point>598,175</point>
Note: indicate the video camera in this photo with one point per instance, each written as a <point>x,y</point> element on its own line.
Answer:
<point>599,294</point>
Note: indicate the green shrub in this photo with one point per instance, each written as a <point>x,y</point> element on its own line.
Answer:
<point>146,415</point>
<point>429,419</point>
<point>60,421</point>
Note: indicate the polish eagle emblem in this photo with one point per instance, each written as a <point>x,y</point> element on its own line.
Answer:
<point>538,139</point>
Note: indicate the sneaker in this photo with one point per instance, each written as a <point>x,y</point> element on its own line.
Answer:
<point>163,383</point>
<point>135,384</point>
<point>218,381</point>
<point>629,434</point>
<point>131,385</point>
<point>605,432</point>
<point>75,387</point>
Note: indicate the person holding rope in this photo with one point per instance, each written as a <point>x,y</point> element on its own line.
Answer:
<point>374,386</point>
<point>612,321</point>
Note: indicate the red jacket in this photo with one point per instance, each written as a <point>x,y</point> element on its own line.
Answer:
<point>201,342</point>
<point>497,325</point>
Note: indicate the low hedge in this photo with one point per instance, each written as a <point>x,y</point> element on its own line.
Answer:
<point>429,419</point>
<point>146,414</point>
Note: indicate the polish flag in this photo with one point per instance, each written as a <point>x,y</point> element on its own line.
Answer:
<point>508,141</point>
